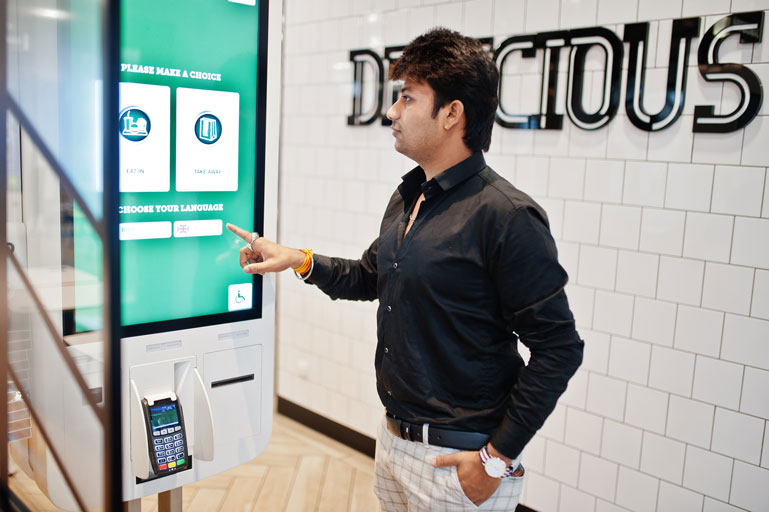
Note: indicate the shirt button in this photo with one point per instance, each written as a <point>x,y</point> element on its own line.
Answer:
<point>387,350</point>
<point>395,265</point>
<point>389,308</point>
<point>389,393</point>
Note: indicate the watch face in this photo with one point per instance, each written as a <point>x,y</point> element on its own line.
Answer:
<point>495,467</point>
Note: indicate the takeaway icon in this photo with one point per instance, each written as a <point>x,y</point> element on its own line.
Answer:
<point>134,124</point>
<point>208,128</point>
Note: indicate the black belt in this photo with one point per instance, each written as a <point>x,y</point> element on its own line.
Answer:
<point>436,435</point>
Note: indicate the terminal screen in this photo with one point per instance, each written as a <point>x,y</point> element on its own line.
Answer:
<point>191,138</point>
<point>164,415</point>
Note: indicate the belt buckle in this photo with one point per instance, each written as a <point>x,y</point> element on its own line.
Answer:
<point>425,434</point>
<point>405,429</point>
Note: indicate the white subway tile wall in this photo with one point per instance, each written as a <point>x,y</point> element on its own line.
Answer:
<point>629,359</point>
<point>663,457</point>
<point>621,443</point>
<point>636,491</point>
<point>665,236</point>
<point>573,500</point>
<point>674,499</point>
<point>708,473</point>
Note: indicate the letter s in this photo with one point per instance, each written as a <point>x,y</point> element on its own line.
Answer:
<point>749,26</point>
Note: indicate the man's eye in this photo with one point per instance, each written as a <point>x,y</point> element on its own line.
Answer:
<point>406,98</point>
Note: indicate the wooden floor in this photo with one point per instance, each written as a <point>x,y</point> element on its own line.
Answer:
<point>299,471</point>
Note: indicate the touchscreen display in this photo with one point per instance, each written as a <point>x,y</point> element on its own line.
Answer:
<point>191,137</point>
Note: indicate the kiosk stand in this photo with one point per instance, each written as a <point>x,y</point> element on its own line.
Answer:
<point>198,148</point>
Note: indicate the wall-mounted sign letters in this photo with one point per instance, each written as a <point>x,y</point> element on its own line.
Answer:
<point>369,68</point>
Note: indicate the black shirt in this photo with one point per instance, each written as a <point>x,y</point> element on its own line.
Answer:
<point>477,271</point>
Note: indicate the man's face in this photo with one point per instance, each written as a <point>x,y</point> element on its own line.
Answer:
<point>417,133</point>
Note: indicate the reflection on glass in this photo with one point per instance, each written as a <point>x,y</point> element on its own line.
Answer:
<point>47,382</point>
<point>55,76</point>
<point>13,167</point>
<point>42,221</point>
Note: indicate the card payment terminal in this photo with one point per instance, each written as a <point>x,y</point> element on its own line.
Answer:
<point>165,432</point>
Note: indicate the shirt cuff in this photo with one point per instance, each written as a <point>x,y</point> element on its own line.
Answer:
<point>321,271</point>
<point>509,438</point>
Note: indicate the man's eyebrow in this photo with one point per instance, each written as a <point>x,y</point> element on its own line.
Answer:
<point>405,88</point>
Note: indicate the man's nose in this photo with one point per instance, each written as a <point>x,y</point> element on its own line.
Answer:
<point>393,113</point>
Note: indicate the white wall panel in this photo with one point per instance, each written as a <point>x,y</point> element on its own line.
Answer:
<point>680,280</point>
<point>690,421</point>
<point>712,505</point>
<point>671,370</point>
<point>725,286</point>
<point>596,352</point>
<point>662,231</point>
<point>717,382</point>
<point>750,487</point>
<point>673,498</point>
<point>708,473</point>
<point>699,330</point>
<point>562,463</point>
<point>597,267</point>
<point>621,443</point>
<point>583,430</point>
<point>573,500</point>
<point>708,237</point>
<point>629,360</point>
<point>738,435</point>
<point>646,408</point>
<point>738,190</point>
<point>654,321</point>
<point>637,273</point>
<point>597,477</point>
<point>620,226</point>
<point>663,457</point>
<point>636,491</point>
<point>754,393</point>
<point>689,187</point>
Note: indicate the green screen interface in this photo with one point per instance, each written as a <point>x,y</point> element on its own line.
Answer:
<point>188,128</point>
<point>164,415</point>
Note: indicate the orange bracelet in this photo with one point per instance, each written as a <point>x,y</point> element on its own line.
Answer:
<point>306,264</point>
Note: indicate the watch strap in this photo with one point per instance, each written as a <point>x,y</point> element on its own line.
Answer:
<point>486,456</point>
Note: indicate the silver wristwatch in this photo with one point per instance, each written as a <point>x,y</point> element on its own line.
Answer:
<point>494,466</point>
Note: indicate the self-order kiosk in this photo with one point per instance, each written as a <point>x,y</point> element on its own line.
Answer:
<point>197,149</point>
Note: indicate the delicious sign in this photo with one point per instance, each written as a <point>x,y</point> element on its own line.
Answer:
<point>747,25</point>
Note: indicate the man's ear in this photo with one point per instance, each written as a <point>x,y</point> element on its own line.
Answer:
<point>455,114</point>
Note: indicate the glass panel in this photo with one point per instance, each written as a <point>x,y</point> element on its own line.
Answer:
<point>13,166</point>
<point>19,419</point>
<point>24,450</point>
<point>55,75</point>
<point>43,223</point>
<point>52,392</point>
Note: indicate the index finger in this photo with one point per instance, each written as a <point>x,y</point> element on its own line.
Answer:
<point>242,233</point>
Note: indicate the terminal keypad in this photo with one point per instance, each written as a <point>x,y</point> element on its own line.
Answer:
<point>170,447</point>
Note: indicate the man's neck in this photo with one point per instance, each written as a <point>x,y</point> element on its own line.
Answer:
<point>444,159</point>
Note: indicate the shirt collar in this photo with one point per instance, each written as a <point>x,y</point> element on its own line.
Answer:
<point>451,177</point>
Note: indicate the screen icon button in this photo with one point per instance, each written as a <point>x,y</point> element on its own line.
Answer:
<point>208,128</point>
<point>239,296</point>
<point>134,124</point>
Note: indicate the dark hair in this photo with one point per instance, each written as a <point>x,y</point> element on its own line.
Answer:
<point>457,68</point>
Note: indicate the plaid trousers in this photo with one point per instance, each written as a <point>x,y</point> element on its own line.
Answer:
<point>405,481</point>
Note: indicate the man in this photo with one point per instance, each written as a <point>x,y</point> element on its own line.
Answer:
<point>463,267</point>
